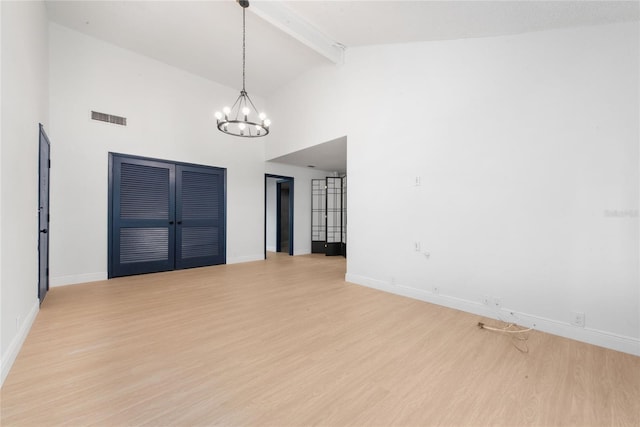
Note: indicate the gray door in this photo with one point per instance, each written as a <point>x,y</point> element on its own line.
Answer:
<point>43,215</point>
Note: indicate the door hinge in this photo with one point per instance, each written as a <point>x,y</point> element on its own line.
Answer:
<point>49,163</point>
<point>47,217</point>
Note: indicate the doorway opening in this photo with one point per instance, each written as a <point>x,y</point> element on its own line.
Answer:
<point>278,214</point>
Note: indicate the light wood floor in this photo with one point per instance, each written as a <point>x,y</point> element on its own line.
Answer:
<point>286,342</point>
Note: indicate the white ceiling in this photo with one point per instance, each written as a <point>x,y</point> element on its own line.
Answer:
<point>202,37</point>
<point>358,23</point>
<point>330,156</point>
<point>205,37</point>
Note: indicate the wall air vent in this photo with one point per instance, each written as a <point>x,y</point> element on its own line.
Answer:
<point>109,118</point>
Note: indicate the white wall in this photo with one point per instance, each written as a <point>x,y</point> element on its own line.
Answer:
<point>526,147</point>
<point>24,105</point>
<point>169,116</point>
<point>312,109</point>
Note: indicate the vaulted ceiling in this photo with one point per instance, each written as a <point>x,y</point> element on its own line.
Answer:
<point>205,37</point>
<point>287,38</point>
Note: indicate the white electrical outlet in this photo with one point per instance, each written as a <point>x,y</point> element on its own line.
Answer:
<point>417,181</point>
<point>416,246</point>
<point>436,290</point>
<point>577,318</point>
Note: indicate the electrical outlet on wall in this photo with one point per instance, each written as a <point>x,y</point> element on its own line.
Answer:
<point>486,300</point>
<point>436,290</point>
<point>577,318</point>
<point>497,302</point>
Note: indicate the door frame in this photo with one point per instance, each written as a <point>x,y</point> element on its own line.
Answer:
<point>290,180</point>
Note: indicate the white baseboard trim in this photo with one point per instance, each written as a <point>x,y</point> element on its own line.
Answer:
<point>246,258</point>
<point>74,279</point>
<point>597,337</point>
<point>16,344</point>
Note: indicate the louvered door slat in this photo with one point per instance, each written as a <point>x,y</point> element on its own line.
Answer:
<point>144,192</point>
<point>199,242</point>
<point>200,198</point>
<point>144,245</point>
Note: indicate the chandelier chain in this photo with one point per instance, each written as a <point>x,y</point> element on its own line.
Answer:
<point>243,48</point>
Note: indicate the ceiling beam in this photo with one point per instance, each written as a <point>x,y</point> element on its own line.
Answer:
<point>283,18</point>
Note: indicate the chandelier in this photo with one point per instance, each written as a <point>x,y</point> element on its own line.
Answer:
<point>243,119</point>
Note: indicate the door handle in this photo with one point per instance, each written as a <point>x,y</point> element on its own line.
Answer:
<point>179,222</point>
<point>170,222</point>
<point>44,230</point>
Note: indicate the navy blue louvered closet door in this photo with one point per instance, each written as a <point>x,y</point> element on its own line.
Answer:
<point>143,212</point>
<point>164,216</point>
<point>200,216</point>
